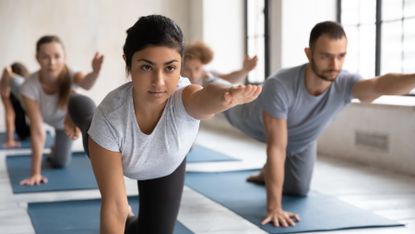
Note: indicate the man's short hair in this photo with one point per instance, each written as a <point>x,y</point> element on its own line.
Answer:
<point>332,29</point>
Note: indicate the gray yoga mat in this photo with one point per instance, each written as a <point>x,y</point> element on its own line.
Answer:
<point>80,217</point>
<point>318,212</point>
<point>77,175</point>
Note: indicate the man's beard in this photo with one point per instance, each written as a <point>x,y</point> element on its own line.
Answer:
<point>320,74</point>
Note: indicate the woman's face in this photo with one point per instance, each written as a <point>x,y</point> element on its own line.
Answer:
<point>155,72</point>
<point>51,58</point>
<point>193,69</point>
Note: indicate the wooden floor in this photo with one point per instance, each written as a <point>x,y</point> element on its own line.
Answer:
<point>385,193</point>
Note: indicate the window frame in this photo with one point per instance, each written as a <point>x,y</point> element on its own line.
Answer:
<point>379,22</point>
<point>266,38</point>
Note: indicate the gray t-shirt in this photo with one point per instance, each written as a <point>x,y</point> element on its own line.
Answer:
<point>284,96</point>
<point>51,113</point>
<point>114,127</point>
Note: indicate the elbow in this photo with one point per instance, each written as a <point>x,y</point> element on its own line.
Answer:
<point>38,133</point>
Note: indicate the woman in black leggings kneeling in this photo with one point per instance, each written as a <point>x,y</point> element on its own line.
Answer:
<point>144,128</point>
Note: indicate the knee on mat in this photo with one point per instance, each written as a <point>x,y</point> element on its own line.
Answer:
<point>80,103</point>
<point>59,164</point>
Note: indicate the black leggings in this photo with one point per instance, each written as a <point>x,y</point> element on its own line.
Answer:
<point>21,127</point>
<point>159,203</point>
<point>159,198</point>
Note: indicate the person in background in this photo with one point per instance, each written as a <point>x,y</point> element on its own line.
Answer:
<point>15,119</point>
<point>44,96</point>
<point>294,108</point>
<point>198,54</point>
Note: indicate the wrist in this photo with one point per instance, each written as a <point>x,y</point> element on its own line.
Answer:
<point>95,73</point>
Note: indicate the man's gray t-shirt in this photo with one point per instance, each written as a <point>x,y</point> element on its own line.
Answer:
<point>144,156</point>
<point>284,96</point>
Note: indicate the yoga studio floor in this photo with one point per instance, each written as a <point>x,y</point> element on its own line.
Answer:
<point>385,193</point>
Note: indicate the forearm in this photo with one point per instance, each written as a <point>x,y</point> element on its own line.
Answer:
<point>38,141</point>
<point>89,80</point>
<point>274,176</point>
<point>394,84</point>
<point>9,117</point>
<point>234,76</point>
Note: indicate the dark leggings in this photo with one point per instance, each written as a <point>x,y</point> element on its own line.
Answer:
<point>159,198</point>
<point>61,152</point>
<point>159,203</point>
<point>21,127</point>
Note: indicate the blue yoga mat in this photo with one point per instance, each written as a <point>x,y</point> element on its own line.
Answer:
<point>200,153</point>
<point>317,212</point>
<point>26,143</point>
<point>80,217</point>
<point>77,175</point>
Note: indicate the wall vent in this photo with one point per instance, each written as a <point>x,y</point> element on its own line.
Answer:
<point>372,141</point>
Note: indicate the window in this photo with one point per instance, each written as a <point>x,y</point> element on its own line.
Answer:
<point>256,38</point>
<point>398,34</point>
<point>358,18</point>
<point>380,33</point>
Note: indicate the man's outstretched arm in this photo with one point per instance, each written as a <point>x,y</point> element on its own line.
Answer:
<point>388,84</point>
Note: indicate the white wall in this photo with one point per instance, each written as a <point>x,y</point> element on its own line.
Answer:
<point>291,23</point>
<point>388,130</point>
<point>84,27</point>
<point>220,24</point>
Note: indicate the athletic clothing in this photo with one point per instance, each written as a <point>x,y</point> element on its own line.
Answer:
<point>284,96</point>
<point>159,203</point>
<point>51,113</point>
<point>114,127</point>
<point>22,128</point>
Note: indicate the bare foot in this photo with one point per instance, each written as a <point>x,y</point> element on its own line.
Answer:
<point>257,179</point>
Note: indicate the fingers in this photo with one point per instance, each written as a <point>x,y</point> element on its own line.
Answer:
<point>294,217</point>
<point>250,62</point>
<point>73,135</point>
<point>266,220</point>
<point>242,94</point>
<point>98,58</point>
<point>281,219</point>
<point>97,61</point>
<point>77,133</point>
<point>37,180</point>
<point>251,91</point>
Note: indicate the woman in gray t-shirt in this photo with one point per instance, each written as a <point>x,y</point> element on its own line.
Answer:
<point>144,128</point>
<point>44,96</point>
